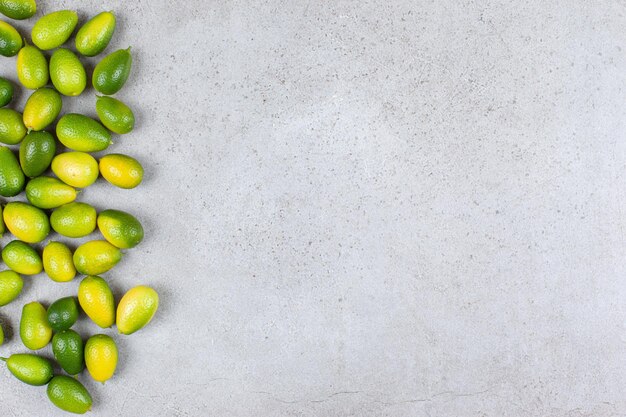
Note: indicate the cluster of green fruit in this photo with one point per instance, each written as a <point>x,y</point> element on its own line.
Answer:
<point>31,223</point>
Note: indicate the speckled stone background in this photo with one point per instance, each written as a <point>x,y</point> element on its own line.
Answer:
<point>366,208</point>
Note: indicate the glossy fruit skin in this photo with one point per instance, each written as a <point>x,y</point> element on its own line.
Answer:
<point>74,220</point>
<point>12,178</point>
<point>6,91</point>
<point>82,133</point>
<point>115,115</point>
<point>32,67</point>
<point>112,72</point>
<point>12,129</point>
<point>35,331</point>
<point>78,169</point>
<point>42,108</point>
<point>96,257</point>
<point>136,309</point>
<point>63,313</point>
<point>11,284</point>
<point>36,153</point>
<point>18,9</point>
<point>96,300</point>
<point>68,349</point>
<point>10,40</point>
<point>54,29</point>
<point>94,36</point>
<point>58,262</point>
<point>69,395</point>
<point>48,192</point>
<point>119,228</point>
<point>30,369</point>
<point>22,258</point>
<point>67,73</point>
<point>121,170</point>
<point>101,357</point>
<point>25,222</point>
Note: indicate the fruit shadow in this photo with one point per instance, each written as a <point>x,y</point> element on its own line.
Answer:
<point>148,173</point>
<point>131,92</point>
<point>117,289</point>
<point>26,288</point>
<point>9,333</point>
<point>89,65</point>
<point>139,112</point>
<point>145,113</point>
<point>19,94</point>
<point>165,304</point>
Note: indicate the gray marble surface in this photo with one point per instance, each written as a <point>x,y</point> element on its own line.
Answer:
<point>372,208</point>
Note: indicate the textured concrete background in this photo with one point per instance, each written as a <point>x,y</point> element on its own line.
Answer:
<point>372,208</point>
